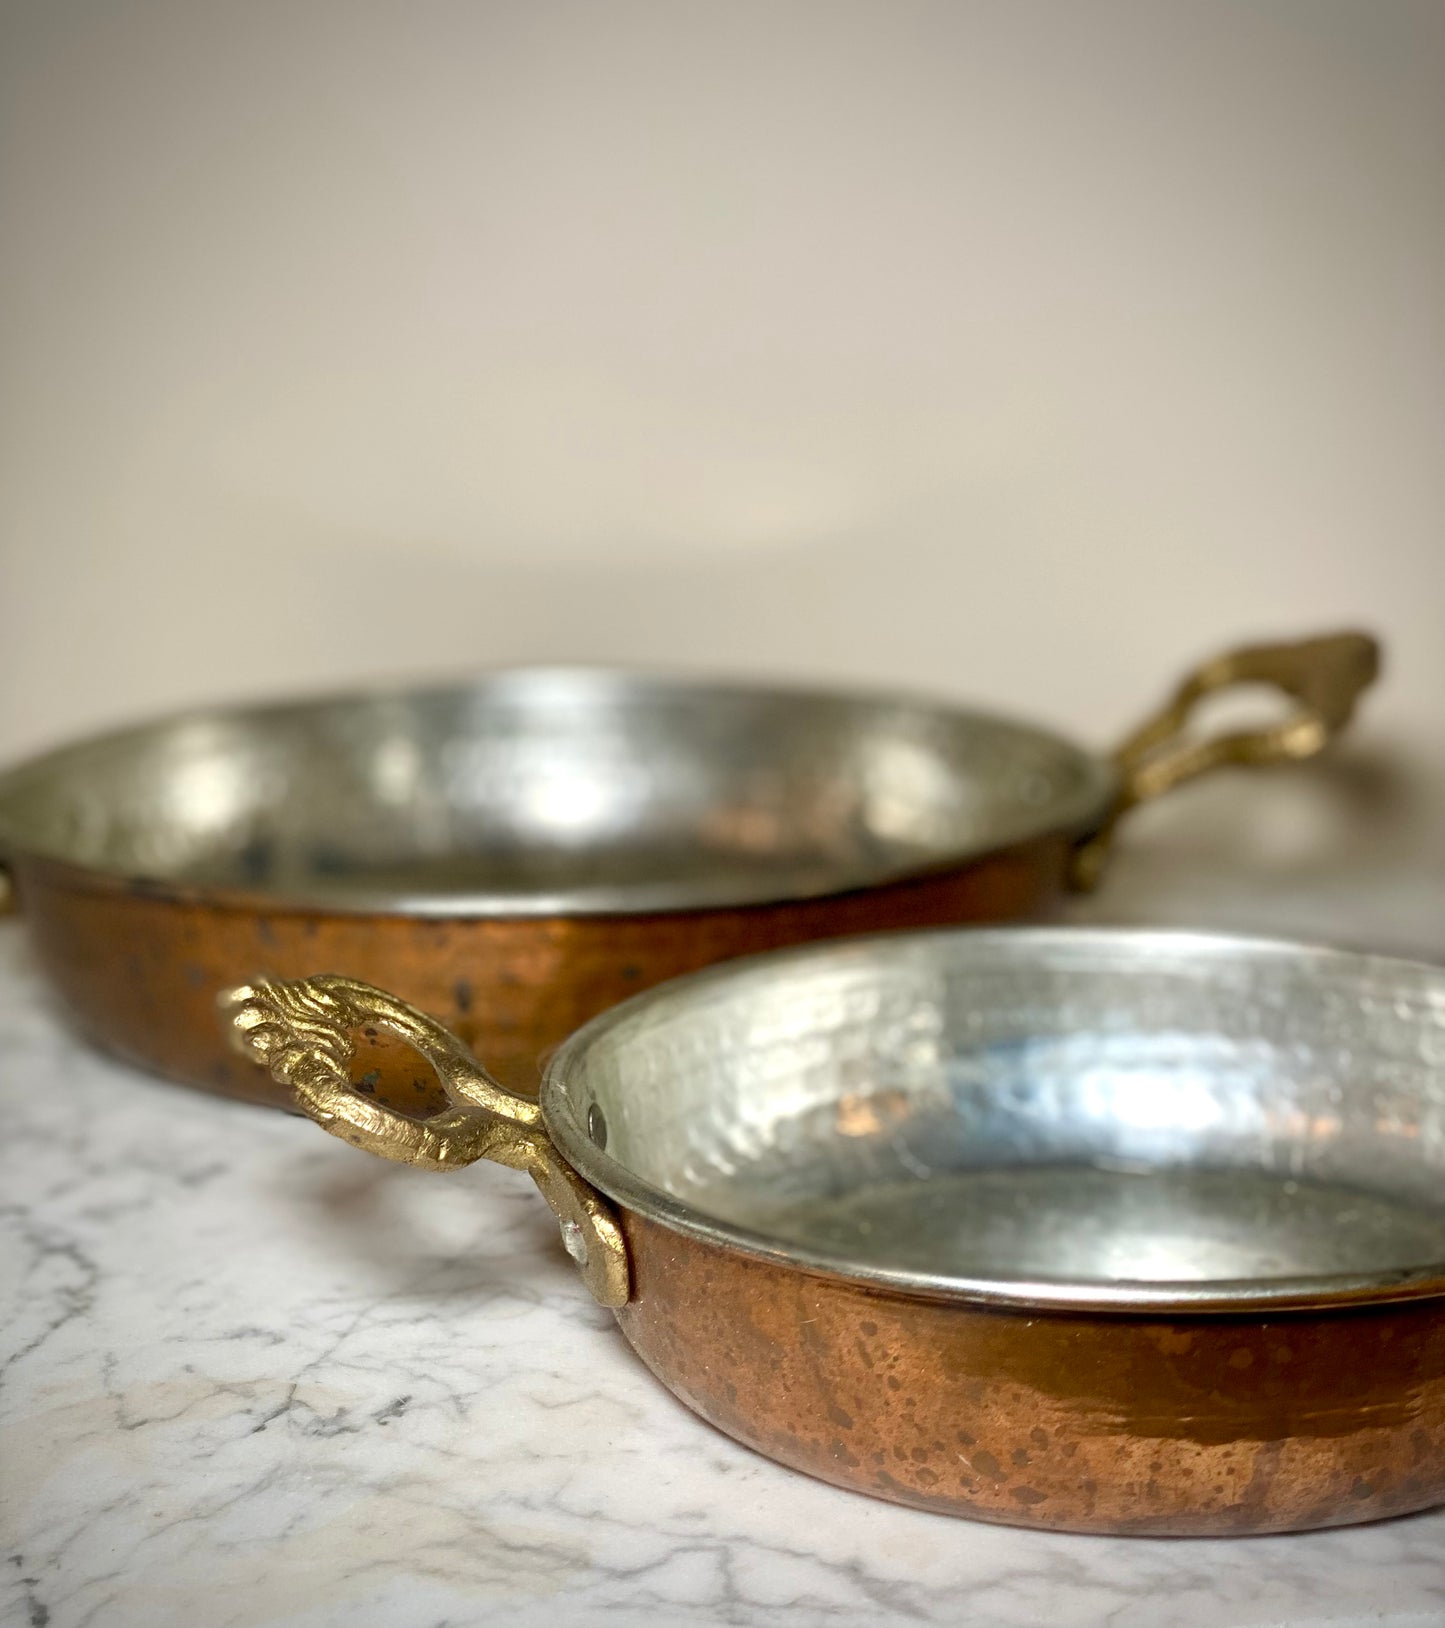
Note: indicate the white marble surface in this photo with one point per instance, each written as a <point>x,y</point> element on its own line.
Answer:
<point>253,1379</point>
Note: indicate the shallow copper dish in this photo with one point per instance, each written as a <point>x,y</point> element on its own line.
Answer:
<point>1103,1231</point>
<point>519,854</point>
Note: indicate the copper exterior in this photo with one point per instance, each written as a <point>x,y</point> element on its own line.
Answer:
<point>141,966</point>
<point>140,962</point>
<point>1321,1404</point>
<point>1203,1425</point>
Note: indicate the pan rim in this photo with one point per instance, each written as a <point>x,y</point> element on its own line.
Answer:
<point>1303,1291</point>
<point>1072,815</point>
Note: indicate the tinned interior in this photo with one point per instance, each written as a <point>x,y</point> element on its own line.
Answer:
<point>1090,1107</point>
<point>546,790</point>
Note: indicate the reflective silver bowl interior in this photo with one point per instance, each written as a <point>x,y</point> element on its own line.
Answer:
<point>1100,1118</point>
<point>541,791</point>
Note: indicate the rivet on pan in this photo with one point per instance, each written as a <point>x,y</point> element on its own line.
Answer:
<point>597,1125</point>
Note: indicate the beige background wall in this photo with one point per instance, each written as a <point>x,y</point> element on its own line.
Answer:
<point>1020,351</point>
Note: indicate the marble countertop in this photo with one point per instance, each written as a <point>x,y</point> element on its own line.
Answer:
<point>252,1379</point>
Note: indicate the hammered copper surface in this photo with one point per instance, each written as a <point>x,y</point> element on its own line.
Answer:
<point>1167,1425</point>
<point>1095,1230</point>
<point>517,853</point>
<point>141,967</point>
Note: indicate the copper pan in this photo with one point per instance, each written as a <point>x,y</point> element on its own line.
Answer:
<point>1100,1231</point>
<point>522,853</point>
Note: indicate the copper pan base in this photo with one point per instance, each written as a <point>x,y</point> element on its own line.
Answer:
<point>1212,1425</point>
<point>140,968</point>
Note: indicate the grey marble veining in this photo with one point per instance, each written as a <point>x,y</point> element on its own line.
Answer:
<point>252,1379</point>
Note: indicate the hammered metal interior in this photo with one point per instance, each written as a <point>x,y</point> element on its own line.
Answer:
<point>552,791</point>
<point>1076,1116</point>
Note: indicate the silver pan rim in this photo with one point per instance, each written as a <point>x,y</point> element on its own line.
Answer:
<point>1071,814</point>
<point>1304,1291</point>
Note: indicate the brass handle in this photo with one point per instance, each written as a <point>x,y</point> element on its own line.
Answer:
<point>301,1029</point>
<point>1325,675</point>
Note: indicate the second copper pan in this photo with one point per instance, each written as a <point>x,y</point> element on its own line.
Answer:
<point>518,854</point>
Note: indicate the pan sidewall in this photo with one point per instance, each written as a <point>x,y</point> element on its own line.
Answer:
<point>1142,1425</point>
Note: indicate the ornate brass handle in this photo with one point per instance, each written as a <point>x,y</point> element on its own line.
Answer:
<point>301,1029</point>
<point>1326,676</point>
